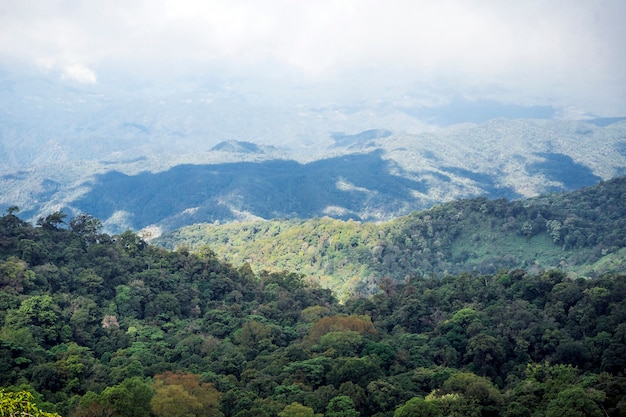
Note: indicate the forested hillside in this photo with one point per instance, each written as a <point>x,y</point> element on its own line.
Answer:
<point>580,232</point>
<point>100,325</point>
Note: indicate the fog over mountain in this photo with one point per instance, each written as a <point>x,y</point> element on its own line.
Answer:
<point>558,53</point>
<point>436,101</point>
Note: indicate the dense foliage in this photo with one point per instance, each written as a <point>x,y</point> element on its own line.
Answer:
<point>99,325</point>
<point>580,232</point>
<point>17,404</point>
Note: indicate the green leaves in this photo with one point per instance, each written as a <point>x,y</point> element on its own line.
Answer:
<point>104,320</point>
<point>21,403</point>
<point>296,410</point>
<point>341,406</point>
<point>417,407</point>
<point>41,315</point>
<point>182,395</point>
<point>573,402</point>
<point>575,231</point>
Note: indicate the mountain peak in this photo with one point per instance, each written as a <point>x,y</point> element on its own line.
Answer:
<point>235,146</point>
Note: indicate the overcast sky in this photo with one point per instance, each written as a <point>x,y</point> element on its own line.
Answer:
<point>557,52</point>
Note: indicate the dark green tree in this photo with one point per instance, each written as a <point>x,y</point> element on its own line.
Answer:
<point>341,406</point>
<point>574,402</point>
<point>52,221</point>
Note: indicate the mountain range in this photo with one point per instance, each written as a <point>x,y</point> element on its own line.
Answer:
<point>138,159</point>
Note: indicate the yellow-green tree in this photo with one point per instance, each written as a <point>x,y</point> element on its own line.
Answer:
<point>183,395</point>
<point>359,324</point>
<point>21,403</point>
<point>296,410</point>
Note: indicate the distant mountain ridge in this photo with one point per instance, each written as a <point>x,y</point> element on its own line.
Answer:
<point>352,186</point>
<point>376,176</point>
<point>236,146</point>
<point>359,139</point>
<point>370,175</point>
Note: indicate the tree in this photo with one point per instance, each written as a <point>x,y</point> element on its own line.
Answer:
<point>92,409</point>
<point>15,275</point>
<point>356,393</point>
<point>41,315</point>
<point>383,395</point>
<point>52,221</point>
<point>471,391</point>
<point>311,372</point>
<point>341,406</point>
<point>131,243</point>
<point>417,407</point>
<point>296,410</point>
<point>182,395</point>
<point>174,401</point>
<point>345,343</point>
<point>358,370</point>
<point>19,404</point>
<point>87,227</point>
<point>11,221</point>
<point>573,402</point>
<point>486,354</point>
<point>131,398</point>
<point>359,324</point>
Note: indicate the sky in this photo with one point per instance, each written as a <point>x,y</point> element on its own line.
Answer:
<point>568,53</point>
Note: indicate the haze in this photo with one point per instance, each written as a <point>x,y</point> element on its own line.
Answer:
<point>568,55</point>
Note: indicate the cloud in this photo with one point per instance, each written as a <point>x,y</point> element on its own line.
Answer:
<point>79,73</point>
<point>568,50</point>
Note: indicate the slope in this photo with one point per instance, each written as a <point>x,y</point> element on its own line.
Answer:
<point>574,231</point>
<point>100,325</point>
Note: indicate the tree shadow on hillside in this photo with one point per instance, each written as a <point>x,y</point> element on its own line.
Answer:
<point>272,189</point>
<point>562,168</point>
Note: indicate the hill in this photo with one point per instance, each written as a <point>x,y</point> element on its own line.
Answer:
<point>98,324</point>
<point>578,232</point>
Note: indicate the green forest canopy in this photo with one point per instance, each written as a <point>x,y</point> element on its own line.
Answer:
<point>581,232</point>
<point>93,324</point>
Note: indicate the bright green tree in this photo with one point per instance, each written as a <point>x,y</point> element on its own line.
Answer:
<point>341,406</point>
<point>41,315</point>
<point>19,404</point>
<point>417,407</point>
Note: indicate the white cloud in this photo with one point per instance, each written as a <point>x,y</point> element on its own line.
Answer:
<point>567,49</point>
<point>79,73</point>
